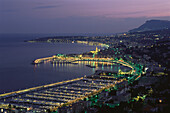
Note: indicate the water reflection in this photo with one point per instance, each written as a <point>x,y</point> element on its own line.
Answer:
<point>90,65</point>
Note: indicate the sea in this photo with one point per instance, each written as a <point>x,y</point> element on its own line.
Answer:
<point>16,56</point>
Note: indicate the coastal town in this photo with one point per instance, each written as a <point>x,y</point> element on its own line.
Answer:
<point>150,50</point>
<point>143,87</point>
<point>84,56</point>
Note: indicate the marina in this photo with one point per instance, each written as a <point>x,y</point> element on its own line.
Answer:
<point>64,96</point>
<point>55,96</point>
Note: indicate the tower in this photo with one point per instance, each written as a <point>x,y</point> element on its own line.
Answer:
<point>96,49</point>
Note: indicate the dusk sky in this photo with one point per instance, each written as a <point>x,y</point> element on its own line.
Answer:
<point>79,16</point>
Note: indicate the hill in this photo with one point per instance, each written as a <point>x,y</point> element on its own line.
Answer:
<point>152,25</point>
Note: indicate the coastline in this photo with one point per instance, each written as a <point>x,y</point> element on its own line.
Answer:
<point>70,39</point>
<point>109,87</point>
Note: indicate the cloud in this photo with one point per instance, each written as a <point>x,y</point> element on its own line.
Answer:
<point>46,7</point>
<point>8,10</point>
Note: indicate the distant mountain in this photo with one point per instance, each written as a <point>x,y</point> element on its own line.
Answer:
<point>152,25</point>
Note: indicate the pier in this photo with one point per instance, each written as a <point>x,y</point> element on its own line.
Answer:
<point>67,59</point>
<point>55,96</point>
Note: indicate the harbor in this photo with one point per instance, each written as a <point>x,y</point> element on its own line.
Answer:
<point>66,96</point>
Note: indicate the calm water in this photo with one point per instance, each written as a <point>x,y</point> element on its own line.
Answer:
<point>16,71</point>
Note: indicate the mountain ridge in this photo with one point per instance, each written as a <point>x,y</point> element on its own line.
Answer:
<point>152,25</point>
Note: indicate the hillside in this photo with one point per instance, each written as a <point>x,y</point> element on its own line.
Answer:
<point>152,25</point>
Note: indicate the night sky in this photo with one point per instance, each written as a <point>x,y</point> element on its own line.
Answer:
<point>79,16</point>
